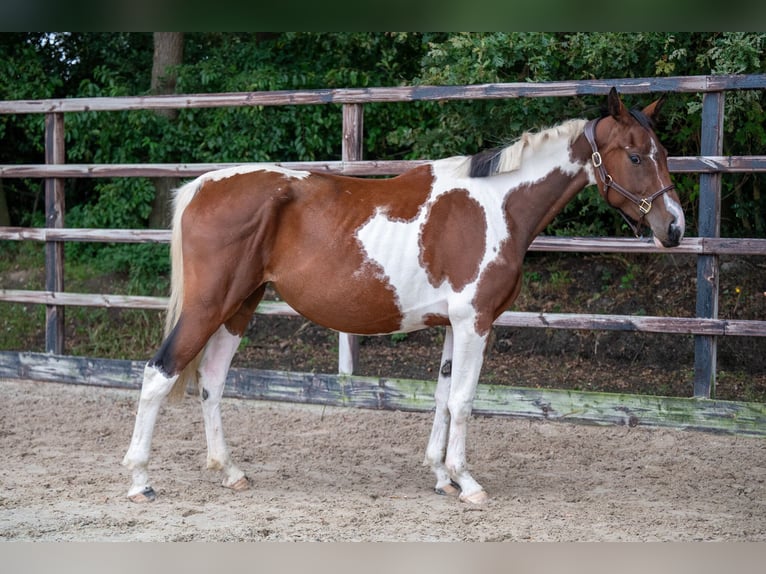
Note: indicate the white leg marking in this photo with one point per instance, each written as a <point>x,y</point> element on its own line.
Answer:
<point>466,366</point>
<point>437,444</point>
<point>212,376</point>
<point>155,387</point>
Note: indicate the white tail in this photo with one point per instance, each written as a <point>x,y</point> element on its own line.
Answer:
<point>182,197</point>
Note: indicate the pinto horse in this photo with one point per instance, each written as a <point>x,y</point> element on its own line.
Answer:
<point>441,244</point>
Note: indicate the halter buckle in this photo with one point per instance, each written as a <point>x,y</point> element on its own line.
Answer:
<point>645,206</point>
<point>596,158</point>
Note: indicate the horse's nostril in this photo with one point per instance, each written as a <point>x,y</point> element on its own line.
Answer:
<point>674,234</point>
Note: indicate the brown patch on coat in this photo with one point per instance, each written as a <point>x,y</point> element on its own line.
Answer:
<point>528,209</point>
<point>319,266</point>
<point>453,240</point>
<point>435,319</point>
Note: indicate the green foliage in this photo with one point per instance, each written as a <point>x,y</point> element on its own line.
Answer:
<point>121,204</point>
<point>290,61</point>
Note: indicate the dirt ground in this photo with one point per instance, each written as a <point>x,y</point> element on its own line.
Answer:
<point>334,474</point>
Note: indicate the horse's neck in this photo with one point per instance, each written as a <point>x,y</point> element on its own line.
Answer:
<point>531,207</point>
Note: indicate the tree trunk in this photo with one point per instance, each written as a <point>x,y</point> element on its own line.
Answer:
<point>5,216</point>
<point>168,53</point>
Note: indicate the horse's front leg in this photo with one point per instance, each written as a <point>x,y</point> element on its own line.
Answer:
<point>467,360</point>
<point>217,357</point>
<point>437,444</point>
<point>154,388</point>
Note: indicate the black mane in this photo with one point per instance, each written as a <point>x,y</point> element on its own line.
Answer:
<point>484,163</point>
<point>642,118</point>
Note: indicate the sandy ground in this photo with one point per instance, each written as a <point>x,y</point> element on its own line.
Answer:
<point>334,474</point>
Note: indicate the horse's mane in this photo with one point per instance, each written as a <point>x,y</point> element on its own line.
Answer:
<point>642,119</point>
<point>508,158</point>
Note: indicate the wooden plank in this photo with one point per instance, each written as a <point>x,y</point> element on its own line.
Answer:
<point>696,164</point>
<point>276,308</point>
<point>623,410</point>
<point>571,321</point>
<point>413,395</point>
<point>120,301</point>
<point>86,235</point>
<point>83,299</point>
<point>689,245</point>
<point>389,94</point>
<point>50,368</point>
<point>72,170</point>
<point>636,323</point>
<point>722,82</point>
<point>718,164</point>
<point>731,246</point>
<point>709,223</point>
<point>54,218</point>
<point>551,243</point>
<point>352,150</point>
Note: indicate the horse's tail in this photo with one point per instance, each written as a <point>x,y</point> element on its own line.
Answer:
<point>183,196</point>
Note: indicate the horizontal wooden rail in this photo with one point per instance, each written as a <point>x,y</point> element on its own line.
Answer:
<point>83,299</point>
<point>572,321</point>
<point>690,164</point>
<point>387,393</point>
<point>689,84</point>
<point>86,235</point>
<point>689,245</point>
<point>73,170</point>
<point>637,323</point>
<point>717,164</point>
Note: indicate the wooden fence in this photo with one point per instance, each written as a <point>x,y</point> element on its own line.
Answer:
<point>346,388</point>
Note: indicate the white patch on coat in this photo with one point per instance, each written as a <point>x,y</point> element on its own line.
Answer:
<point>394,245</point>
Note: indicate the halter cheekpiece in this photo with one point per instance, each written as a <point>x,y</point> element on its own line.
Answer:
<point>644,204</point>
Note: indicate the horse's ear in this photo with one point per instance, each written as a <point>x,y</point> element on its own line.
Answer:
<point>615,106</point>
<point>653,110</point>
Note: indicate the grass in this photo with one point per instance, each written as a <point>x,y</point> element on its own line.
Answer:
<point>89,331</point>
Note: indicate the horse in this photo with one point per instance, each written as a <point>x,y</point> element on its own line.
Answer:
<point>439,245</point>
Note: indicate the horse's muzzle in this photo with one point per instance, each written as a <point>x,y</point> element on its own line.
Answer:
<point>674,236</point>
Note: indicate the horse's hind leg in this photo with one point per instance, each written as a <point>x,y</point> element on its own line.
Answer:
<point>212,378</point>
<point>177,350</point>
<point>213,368</point>
<point>191,334</point>
<point>155,387</point>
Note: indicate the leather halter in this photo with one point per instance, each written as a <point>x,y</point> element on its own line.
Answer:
<point>644,204</point>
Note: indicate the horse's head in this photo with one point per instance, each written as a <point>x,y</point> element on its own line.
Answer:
<point>632,170</point>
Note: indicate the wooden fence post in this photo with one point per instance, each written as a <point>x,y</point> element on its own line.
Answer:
<point>706,346</point>
<point>352,150</point>
<point>54,218</point>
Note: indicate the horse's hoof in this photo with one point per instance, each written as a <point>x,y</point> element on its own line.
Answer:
<point>480,497</point>
<point>242,484</point>
<point>146,495</point>
<point>451,489</point>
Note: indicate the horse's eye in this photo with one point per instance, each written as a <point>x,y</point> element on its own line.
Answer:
<point>635,159</point>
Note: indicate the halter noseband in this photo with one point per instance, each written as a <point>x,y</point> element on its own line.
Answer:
<point>644,204</point>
